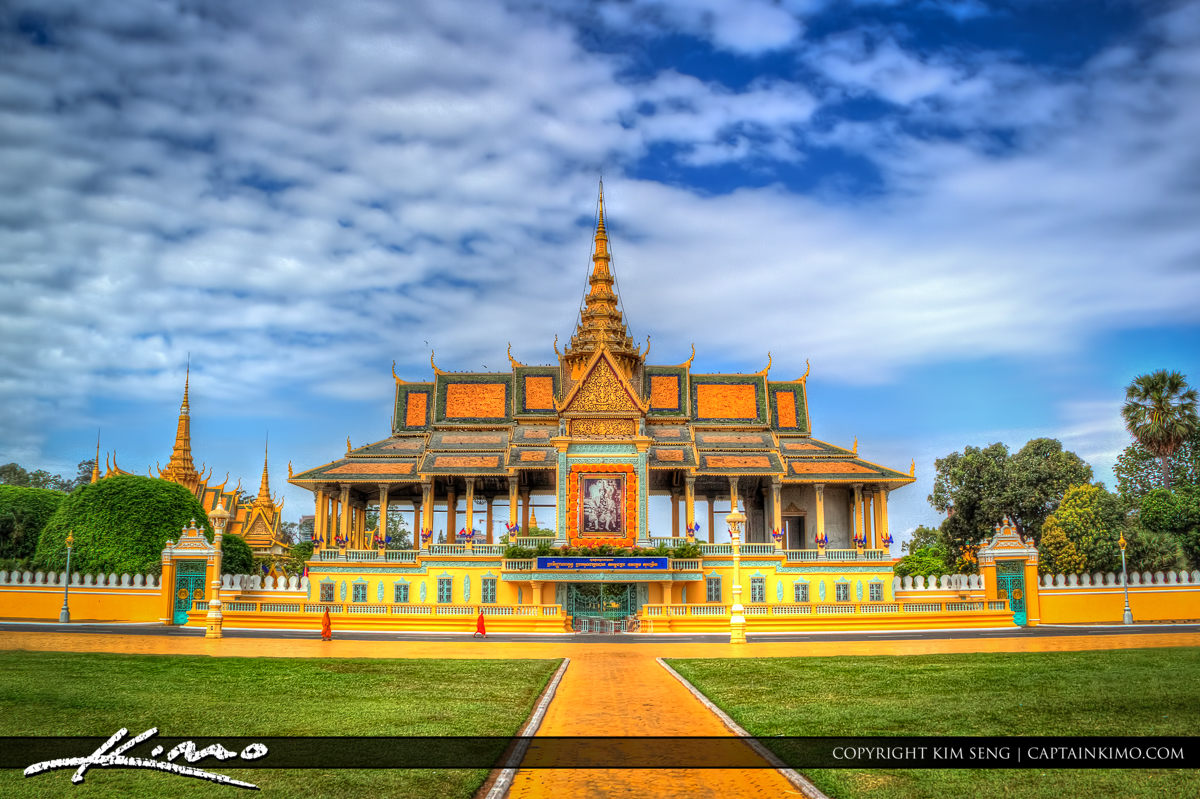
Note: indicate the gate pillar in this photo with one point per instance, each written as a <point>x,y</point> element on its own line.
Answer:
<point>184,568</point>
<point>1009,568</point>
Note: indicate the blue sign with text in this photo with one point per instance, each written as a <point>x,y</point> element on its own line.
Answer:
<point>602,564</point>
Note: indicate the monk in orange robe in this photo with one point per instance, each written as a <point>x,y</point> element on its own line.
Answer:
<point>480,628</point>
<point>326,627</point>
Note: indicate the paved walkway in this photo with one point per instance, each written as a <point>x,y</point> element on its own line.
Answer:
<point>610,688</point>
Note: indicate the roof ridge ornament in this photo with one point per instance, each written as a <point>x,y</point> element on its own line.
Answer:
<point>436,370</point>
<point>807,368</point>
<point>395,376</point>
<point>513,361</point>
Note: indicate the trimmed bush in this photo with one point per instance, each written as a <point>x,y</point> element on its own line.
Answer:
<point>23,513</point>
<point>121,525</point>
<point>236,555</point>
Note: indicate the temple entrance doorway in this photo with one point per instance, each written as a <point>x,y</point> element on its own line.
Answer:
<point>601,607</point>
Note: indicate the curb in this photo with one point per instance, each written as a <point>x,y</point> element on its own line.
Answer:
<point>504,780</point>
<point>798,780</point>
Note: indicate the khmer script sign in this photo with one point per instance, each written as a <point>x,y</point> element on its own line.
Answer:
<point>602,564</point>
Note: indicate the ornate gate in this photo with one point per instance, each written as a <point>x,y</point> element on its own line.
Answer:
<point>610,601</point>
<point>189,587</point>
<point>1010,581</point>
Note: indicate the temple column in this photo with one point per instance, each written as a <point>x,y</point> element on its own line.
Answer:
<point>383,512</point>
<point>674,513</point>
<point>767,515</point>
<point>524,510</point>
<point>733,495</point>
<point>427,506</point>
<point>777,508</point>
<point>360,518</point>
<point>451,514</point>
<point>820,492</point>
<point>712,516</point>
<point>535,589</point>
<point>470,505</point>
<point>881,515</point>
<point>689,501</point>
<point>417,523</point>
<point>856,504</point>
<point>513,485</point>
<point>344,508</point>
<point>320,520</point>
<point>868,513</point>
<point>488,498</point>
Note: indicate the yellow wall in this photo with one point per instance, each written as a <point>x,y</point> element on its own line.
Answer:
<point>86,603</point>
<point>1106,604</point>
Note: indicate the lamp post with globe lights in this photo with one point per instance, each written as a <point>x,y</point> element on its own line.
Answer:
<point>1128,617</point>
<point>737,618</point>
<point>218,516</point>
<point>64,615</point>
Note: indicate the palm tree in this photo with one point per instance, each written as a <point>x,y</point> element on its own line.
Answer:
<point>1160,412</point>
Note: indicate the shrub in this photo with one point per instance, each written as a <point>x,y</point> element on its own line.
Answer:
<point>236,555</point>
<point>23,513</point>
<point>121,525</point>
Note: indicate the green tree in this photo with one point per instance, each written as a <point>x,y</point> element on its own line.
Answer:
<point>1057,553</point>
<point>121,525</point>
<point>1037,478</point>
<point>1138,470</point>
<point>297,556</point>
<point>1160,413</point>
<point>924,561</point>
<point>1175,514</point>
<point>236,555</point>
<point>24,511</point>
<point>1150,551</point>
<point>1087,526</point>
<point>922,538</point>
<point>395,528</point>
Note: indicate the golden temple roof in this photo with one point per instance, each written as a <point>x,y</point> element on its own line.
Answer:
<point>180,468</point>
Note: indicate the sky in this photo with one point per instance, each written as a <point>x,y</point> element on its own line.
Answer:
<point>976,221</point>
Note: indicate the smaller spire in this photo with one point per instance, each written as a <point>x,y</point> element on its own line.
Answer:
<point>264,487</point>
<point>96,463</point>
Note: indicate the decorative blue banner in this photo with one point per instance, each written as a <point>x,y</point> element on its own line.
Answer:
<point>602,564</point>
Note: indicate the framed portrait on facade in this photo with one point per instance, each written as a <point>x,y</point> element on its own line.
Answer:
<point>602,505</point>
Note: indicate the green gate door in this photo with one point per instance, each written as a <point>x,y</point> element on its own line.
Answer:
<point>1010,579</point>
<point>603,600</point>
<point>189,587</point>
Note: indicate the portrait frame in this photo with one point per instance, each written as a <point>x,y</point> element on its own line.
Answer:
<point>601,505</point>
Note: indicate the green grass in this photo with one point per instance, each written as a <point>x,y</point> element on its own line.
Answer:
<point>1113,692</point>
<point>60,693</point>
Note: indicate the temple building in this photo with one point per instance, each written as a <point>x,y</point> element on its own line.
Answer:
<point>257,521</point>
<point>600,432</point>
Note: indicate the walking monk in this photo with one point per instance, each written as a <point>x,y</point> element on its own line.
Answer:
<point>326,627</point>
<point>480,629</point>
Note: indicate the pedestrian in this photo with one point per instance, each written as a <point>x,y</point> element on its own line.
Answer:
<point>326,627</point>
<point>480,629</point>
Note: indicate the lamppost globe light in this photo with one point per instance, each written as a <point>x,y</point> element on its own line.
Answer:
<point>737,619</point>
<point>64,615</point>
<point>218,516</point>
<point>1127,617</point>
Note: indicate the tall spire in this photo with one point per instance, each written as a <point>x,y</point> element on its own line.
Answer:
<point>600,321</point>
<point>264,487</point>
<point>181,468</point>
<point>96,463</point>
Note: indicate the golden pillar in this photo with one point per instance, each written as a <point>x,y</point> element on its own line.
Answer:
<point>417,523</point>
<point>470,505</point>
<point>535,589</point>
<point>820,491</point>
<point>319,518</point>
<point>383,512</point>
<point>868,518</point>
<point>733,497</point>
<point>344,512</point>
<point>451,514</point>
<point>777,508</point>
<point>488,499</point>
<point>881,515</point>
<point>689,500</point>
<point>857,508</point>
<point>427,496</point>
<point>524,510</point>
<point>513,485</point>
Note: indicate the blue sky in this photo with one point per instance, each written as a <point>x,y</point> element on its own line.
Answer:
<point>978,221</point>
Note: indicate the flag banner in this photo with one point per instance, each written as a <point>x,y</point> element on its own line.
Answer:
<point>942,752</point>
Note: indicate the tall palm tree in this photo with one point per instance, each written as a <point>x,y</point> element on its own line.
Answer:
<point>1160,412</point>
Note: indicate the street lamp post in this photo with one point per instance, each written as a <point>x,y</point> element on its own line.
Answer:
<point>1128,618</point>
<point>217,517</point>
<point>64,615</point>
<point>737,618</point>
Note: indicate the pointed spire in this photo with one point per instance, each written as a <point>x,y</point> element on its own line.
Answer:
<point>600,320</point>
<point>181,468</point>
<point>96,463</point>
<point>264,486</point>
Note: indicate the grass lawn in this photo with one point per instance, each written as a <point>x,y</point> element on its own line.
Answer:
<point>1112,692</point>
<point>63,693</point>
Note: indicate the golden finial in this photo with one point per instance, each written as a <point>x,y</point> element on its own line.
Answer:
<point>807,367</point>
<point>912,469</point>
<point>289,470</point>
<point>647,352</point>
<point>600,224</point>
<point>219,489</point>
<point>348,447</point>
<point>436,370</point>
<point>394,375</point>
<point>856,445</point>
<point>767,371</point>
<point>96,463</point>
<point>688,362</point>
<point>513,361</point>
<point>556,352</point>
